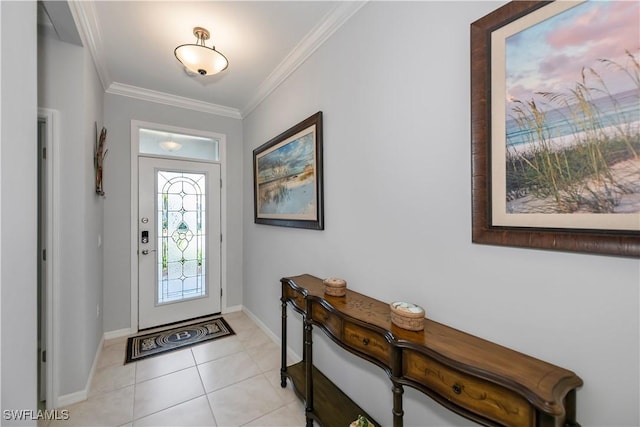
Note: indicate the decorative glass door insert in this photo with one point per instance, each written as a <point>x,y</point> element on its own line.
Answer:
<point>181,236</point>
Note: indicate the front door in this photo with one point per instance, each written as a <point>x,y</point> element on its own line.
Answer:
<point>179,264</point>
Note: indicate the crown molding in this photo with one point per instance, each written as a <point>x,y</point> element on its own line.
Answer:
<point>331,22</point>
<point>55,20</point>
<point>84,14</point>
<point>172,100</point>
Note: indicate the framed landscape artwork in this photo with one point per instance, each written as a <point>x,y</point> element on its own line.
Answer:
<point>555,109</point>
<point>287,177</point>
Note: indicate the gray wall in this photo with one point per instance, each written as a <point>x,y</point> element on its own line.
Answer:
<point>398,218</point>
<point>119,111</point>
<point>68,83</point>
<point>18,200</point>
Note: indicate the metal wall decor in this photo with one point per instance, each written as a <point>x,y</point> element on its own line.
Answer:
<point>98,158</point>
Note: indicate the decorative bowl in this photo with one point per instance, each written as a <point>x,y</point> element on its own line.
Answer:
<point>407,316</point>
<point>335,287</point>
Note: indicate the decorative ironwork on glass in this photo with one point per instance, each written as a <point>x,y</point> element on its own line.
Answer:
<point>181,235</point>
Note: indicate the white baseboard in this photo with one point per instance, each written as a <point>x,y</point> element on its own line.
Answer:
<point>232,309</point>
<point>79,396</point>
<point>117,334</point>
<point>276,339</point>
<point>71,398</point>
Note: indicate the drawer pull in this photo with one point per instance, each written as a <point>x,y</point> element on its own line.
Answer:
<point>457,388</point>
<point>365,341</point>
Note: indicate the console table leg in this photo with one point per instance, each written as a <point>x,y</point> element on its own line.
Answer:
<point>396,388</point>
<point>283,365</point>
<point>308,346</point>
<point>398,412</point>
<point>570,404</point>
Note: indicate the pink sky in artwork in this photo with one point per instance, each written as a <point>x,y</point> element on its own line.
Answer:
<point>550,56</point>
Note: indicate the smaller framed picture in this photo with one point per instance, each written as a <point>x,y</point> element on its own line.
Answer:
<point>287,177</point>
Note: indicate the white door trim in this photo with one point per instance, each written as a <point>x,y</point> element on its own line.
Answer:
<point>53,250</point>
<point>136,125</point>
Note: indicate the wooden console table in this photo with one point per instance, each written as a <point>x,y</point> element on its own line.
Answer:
<point>482,381</point>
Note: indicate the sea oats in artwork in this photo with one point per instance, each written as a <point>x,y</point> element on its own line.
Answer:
<point>573,112</point>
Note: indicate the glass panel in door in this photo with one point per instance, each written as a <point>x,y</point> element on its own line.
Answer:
<point>181,236</point>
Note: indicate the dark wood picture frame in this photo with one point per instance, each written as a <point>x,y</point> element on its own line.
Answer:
<point>288,169</point>
<point>609,242</point>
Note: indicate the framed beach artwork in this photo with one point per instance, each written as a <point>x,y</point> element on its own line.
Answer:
<point>287,177</point>
<point>555,111</point>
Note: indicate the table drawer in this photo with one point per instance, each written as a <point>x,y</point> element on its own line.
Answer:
<point>295,296</point>
<point>476,395</point>
<point>367,342</point>
<point>331,322</point>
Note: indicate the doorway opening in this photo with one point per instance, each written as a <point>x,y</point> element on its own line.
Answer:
<point>42,263</point>
<point>47,270</point>
<point>178,217</point>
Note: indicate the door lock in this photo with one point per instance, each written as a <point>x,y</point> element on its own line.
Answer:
<point>144,237</point>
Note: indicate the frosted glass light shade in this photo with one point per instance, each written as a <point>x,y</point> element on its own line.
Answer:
<point>199,58</point>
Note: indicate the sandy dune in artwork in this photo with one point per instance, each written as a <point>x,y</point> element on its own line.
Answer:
<point>625,174</point>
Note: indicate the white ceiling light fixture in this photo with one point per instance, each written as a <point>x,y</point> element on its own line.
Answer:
<point>199,58</point>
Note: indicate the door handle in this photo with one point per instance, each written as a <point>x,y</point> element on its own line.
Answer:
<point>146,251</point>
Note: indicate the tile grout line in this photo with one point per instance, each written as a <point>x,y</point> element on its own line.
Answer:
<point>163,375</point>
<point>171,406</point>
<point>135,384</point>
<point>206,395</point>
<point>284,404</point>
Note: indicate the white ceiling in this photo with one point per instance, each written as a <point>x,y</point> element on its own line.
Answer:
<point>132,43</point>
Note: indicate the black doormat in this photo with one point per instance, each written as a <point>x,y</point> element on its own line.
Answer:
<point>177,337</point>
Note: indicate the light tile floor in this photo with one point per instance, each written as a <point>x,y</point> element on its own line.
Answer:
<point>229,382</point>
